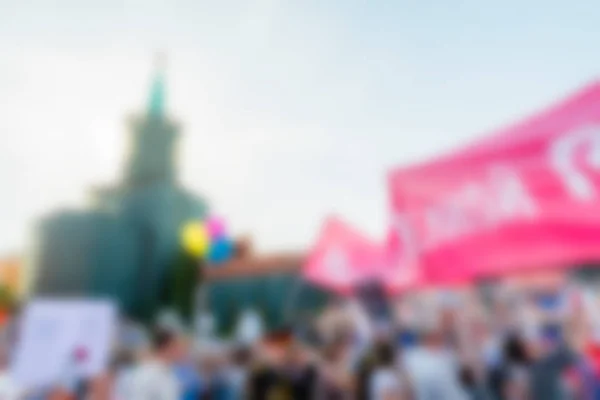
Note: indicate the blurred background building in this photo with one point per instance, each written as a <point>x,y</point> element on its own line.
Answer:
<point>124,243</point>
<point>268,283</point>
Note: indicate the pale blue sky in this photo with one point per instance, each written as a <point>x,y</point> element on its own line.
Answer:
<point>291,110</point>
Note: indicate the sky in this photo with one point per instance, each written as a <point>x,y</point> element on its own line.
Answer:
<point>291,110</point>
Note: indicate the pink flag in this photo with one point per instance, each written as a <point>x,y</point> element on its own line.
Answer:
<point>524,198</point>
<point>342,257</point>
<point>402,271</point>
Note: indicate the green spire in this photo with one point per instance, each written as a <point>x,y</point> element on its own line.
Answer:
<point>156,102</point>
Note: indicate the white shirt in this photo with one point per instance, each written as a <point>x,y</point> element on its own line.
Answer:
<point>434,374</point>
<point>123,383</point>
<point>9,390</point>
<point>154,380</point>
<point>384,382</point>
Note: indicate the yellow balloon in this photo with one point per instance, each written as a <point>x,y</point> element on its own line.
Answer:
<point>195,239</point>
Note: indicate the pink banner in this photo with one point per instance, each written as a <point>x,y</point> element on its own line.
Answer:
<point>402,270</point>
<point>342,257</point>
<point>525,198</point>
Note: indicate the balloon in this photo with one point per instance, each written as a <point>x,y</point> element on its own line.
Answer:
<point>195,239</point>
<point>216,227</point>
<point>220,251</point>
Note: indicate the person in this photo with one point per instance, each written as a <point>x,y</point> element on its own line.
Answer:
<point>386,382</point>
<point>134,347</point>
<point>371,359</point>
<point>473,383</point>
<point>262,374</point>
<point>297,373</point>
<point>237,371</point>
<point>9,389</point>
<point>509,374</point>
<point>283,370</point>
<point>336,368</point>
<point>101,387</point>
<point>155,378</point>
<point>546,382</point>
<point>190,382</point>
<point>60,393</point>
<point>558,371</point>
<point>516,385</point>
<point>363,373</point>
<point>216,383</point>
<point>433,369</point>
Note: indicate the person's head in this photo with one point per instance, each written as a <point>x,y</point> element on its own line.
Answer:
<point>123,358</point>
<point>447,318</point>
<point>431,334</point>
<point>293,355</point>
<point>241,356</point>
<point>515,350</point>
<point>385,355</point>
<point>467,376</point>
<point>101,387</point>
<point>210,363</point>
<point>167,345</point>
<point>333,351</point>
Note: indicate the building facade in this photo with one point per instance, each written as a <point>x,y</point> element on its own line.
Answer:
<point>123,245</point>
<point>271,283</point>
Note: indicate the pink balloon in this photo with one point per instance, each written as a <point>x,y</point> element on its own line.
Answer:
<point>216,227</point>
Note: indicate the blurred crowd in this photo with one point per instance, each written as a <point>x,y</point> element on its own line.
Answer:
<point>507,343</point>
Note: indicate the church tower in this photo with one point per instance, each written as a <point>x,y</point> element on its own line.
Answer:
<point>124,245</point>
<point>153,140</point>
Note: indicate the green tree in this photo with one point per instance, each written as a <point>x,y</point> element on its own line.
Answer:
<point>185,277</point>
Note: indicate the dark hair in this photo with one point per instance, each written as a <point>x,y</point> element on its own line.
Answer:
<point>161,339</point>
<point>514,350</point>
<point>385,354</point>
<point>241,356</point>
<point>122,358</point>
<point>467,377</point>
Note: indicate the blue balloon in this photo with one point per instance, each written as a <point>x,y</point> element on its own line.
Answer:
<point>220,251</point>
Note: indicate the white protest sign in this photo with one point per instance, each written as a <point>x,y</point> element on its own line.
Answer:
<point>63,339</point>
